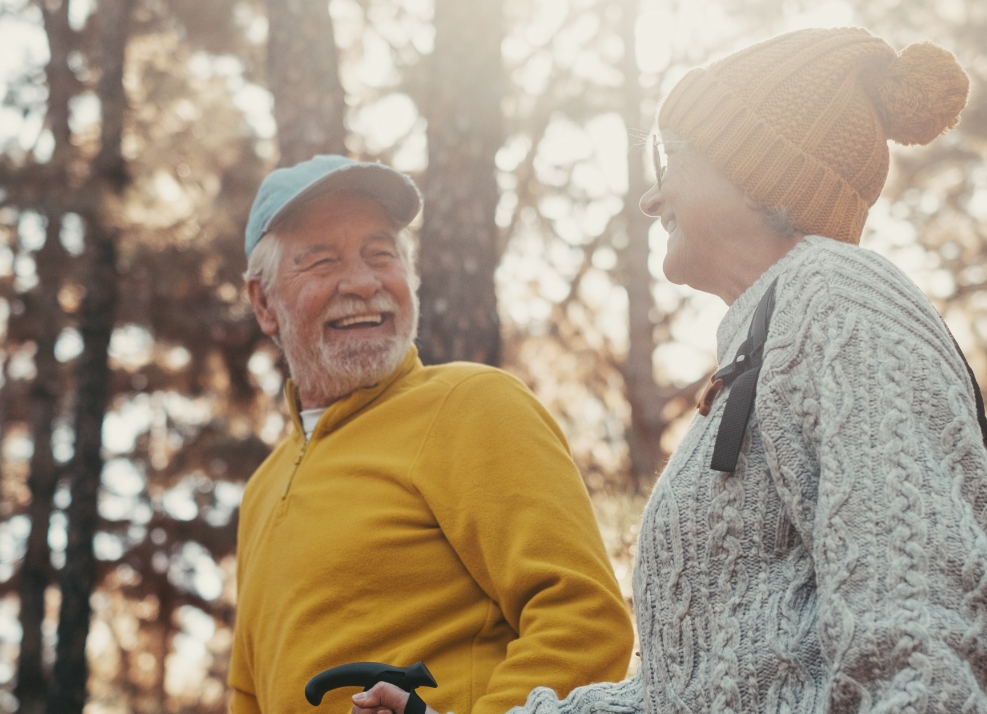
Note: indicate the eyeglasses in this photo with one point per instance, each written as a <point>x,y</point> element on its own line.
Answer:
<point>659,166</point>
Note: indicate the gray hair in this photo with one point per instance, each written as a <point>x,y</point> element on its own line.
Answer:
<point>777,220</point>
<point>262,265</point>
<point>406,248</point>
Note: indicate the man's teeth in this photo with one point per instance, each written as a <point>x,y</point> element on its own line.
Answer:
<point>358,320</point>
<point>671,225</point>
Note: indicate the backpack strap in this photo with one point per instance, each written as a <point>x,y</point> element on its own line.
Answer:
<point>742,373</point>
<point>744,370</point>
<point>979,397</point>
<point>977,394</point>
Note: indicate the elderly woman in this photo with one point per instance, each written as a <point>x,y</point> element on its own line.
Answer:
<point>841,566</point>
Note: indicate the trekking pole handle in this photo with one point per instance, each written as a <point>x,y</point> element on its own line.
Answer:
<point>366,675</point>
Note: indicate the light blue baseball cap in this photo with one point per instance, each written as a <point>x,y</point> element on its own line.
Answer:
<point>285,190</point>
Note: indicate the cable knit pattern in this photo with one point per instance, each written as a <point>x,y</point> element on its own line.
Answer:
<point>843,566</point>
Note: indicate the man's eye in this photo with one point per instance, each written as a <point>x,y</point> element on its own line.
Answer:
<point>321,262</point>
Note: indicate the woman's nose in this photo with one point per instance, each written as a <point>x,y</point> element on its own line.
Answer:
<point>651,201</point>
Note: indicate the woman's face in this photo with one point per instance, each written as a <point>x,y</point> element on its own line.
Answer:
<point>704,213</point>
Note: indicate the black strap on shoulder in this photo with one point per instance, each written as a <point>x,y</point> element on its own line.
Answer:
<point>977,394</point>
<point>742,373</point>
<point>979,397</point>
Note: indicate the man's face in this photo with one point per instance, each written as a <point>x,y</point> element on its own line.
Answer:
<point>342,303</point>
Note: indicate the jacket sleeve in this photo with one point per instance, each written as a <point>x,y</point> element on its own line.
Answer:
<point>496,472</point>
<point>866,379</point>
<point>625,697</point>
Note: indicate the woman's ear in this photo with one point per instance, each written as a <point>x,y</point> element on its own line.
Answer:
<point>267,316</point>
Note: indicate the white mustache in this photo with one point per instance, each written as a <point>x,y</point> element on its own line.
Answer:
<point>349,306</point>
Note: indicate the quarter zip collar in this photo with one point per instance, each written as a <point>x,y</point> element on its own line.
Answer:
<point>347,406</point>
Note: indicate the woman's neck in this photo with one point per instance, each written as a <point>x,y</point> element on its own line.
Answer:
<point>745,261</point>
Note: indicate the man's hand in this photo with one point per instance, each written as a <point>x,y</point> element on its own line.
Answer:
<point>383,698</point>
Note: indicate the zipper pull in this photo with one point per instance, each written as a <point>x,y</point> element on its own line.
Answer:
<point>298,460</point>
<point>301,452</point>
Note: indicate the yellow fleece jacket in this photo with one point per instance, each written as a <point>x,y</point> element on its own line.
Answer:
<point>438,517</point>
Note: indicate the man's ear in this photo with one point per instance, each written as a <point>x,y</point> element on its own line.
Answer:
<point>266,315</point>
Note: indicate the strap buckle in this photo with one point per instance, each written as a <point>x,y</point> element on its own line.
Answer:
<point>741,363</point>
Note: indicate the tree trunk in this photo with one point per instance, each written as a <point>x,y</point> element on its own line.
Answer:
<point>67,694</point>
<point>35,571</point>
<point>647,425</point>
<point>303,75</point>
<point>459,239</point>
<point>36,566</point>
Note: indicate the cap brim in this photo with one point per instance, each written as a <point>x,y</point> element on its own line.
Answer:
<point>394,191</point>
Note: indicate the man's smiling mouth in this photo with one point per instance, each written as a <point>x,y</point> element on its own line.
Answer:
<point>356,321</point>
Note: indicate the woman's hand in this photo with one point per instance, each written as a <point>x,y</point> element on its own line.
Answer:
<point>383,698</point>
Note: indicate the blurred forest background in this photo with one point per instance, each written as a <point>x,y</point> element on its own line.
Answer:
<point>137,392</point>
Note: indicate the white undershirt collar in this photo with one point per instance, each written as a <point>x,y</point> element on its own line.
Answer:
<point>310,417</point>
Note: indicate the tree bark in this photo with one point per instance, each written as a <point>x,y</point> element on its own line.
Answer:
<point>67,694</point>
<point>35,574</point>
<point>36,567</point>
<point>459,239</point>
<point>643,394</point>
<point>303,75</point>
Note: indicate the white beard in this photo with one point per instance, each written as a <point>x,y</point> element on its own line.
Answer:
<point>325,371</point>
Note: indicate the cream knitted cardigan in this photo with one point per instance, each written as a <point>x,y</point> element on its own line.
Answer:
<point>843,566</point>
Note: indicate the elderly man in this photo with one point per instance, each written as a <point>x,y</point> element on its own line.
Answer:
<point>414,513</point>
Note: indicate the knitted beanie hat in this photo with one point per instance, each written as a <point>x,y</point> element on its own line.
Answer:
<point>802,120</point>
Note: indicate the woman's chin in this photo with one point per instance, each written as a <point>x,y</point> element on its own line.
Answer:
<point>673,269</point>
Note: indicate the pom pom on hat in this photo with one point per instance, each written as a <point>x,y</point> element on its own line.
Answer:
<point>921,94</point>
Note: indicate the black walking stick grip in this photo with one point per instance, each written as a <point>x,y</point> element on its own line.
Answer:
<point>366,675</point>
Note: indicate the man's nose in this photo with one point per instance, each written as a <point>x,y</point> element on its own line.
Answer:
<point>359,280</point>
<point>651,201</point>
